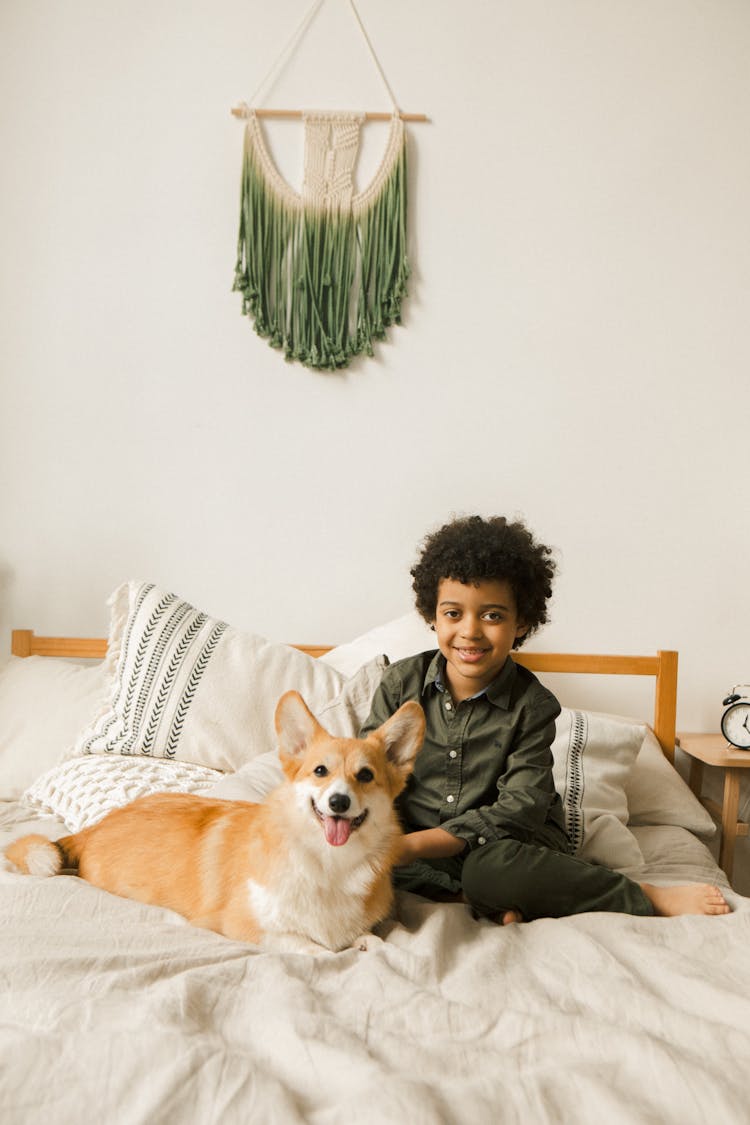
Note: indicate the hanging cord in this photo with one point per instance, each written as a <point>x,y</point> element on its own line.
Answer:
<point>375,58</point>
<point>301,29</point>
<point>291,43</point>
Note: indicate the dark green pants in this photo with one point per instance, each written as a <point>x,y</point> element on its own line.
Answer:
<point>539,879</point>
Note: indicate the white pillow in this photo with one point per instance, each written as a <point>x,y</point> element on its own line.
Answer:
<point>83,790</point>
<point>187,686</point>
<point>252,782</point>
<point>44,703</point>
<point>401,637</point>
<point>342,717</point>
<point>593,758</point>
<point>345,715</point>
<point>656,793</point>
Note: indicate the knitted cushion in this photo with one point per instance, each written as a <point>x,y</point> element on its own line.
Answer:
<point>82,790</point>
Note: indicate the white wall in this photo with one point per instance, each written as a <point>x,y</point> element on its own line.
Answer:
<point>575,347</point>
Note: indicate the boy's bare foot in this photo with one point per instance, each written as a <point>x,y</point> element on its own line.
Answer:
<point>695,898</point>
<point>502,918</point>
<point>510,916</point>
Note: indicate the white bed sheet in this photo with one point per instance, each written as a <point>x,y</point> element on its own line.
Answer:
<point>126,1011</point>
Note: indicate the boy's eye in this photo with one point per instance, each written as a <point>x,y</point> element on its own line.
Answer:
<point>365,774</point>
<point>320,771</point>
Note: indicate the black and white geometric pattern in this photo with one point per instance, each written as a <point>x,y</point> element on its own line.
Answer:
<point>593,756</point>
<point>573,793</point>
<point>185,686</point>
<point>167,645</point>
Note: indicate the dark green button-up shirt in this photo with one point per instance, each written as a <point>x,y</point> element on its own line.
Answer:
<point>485,769</point>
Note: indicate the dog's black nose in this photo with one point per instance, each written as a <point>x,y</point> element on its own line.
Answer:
<point>339,802</point>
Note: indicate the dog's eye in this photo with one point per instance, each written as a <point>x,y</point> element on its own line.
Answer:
<point>365,775</point>
<point>320,771</point>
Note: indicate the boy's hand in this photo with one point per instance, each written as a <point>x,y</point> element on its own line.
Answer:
<point>431,843</point>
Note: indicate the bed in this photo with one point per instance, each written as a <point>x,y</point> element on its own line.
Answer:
<point>124,1011</point>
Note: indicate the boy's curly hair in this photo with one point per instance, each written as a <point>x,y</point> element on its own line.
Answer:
<point>473,549</point>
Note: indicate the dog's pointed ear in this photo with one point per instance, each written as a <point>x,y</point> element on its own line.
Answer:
<point>403,735</point>
<point>296,726</point>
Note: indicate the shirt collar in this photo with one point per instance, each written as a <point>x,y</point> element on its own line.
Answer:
<point>498,692</point>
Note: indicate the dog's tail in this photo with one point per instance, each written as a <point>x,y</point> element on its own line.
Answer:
<point>36,855</point>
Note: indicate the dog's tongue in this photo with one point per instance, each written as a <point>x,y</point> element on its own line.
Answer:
<point>337,830</point>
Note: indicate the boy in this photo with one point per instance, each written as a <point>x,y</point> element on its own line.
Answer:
<point>482,820</point>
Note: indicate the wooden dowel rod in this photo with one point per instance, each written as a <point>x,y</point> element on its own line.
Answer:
<point>240,111</point>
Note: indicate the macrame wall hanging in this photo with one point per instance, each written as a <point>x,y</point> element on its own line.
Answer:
<point>323,272</point>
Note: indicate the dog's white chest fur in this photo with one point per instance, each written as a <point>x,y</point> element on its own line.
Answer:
<point>329,911</point>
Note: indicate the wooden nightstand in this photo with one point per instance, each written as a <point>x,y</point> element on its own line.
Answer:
<point>714,750</point>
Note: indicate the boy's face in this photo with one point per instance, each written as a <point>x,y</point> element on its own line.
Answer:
<point>476,626</point>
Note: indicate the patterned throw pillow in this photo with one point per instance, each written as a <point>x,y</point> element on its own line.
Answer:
<point>186,686</point>
<point>593,756</point>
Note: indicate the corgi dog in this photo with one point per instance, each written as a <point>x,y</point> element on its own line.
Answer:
<point>308,869</point>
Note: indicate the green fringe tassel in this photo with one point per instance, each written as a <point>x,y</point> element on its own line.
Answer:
<point>321,284</point>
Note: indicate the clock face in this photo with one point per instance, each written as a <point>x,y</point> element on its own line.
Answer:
<point>735,725</point>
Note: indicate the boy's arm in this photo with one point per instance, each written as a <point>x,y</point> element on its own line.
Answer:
<point>430,843</point>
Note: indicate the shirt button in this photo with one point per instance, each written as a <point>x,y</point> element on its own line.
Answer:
<point>481,840</point>
<point>449,706</point>
<point>452,753</point>
<point>450,798</point>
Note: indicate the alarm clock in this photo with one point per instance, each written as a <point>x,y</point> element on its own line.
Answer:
<point>735,722</point>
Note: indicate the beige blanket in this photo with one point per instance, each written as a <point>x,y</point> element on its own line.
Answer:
<point>121,1013</point>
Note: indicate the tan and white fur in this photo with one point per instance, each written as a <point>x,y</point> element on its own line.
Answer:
<point>309,868</point>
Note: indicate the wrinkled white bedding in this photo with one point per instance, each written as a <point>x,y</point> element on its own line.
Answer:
<point>117,1012</point>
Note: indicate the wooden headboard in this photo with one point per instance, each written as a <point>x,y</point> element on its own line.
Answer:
<point>662,666</point>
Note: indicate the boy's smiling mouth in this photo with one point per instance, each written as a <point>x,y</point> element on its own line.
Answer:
<point>471,654</point>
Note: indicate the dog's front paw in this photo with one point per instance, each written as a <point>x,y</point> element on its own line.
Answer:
<point>366,942</point>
